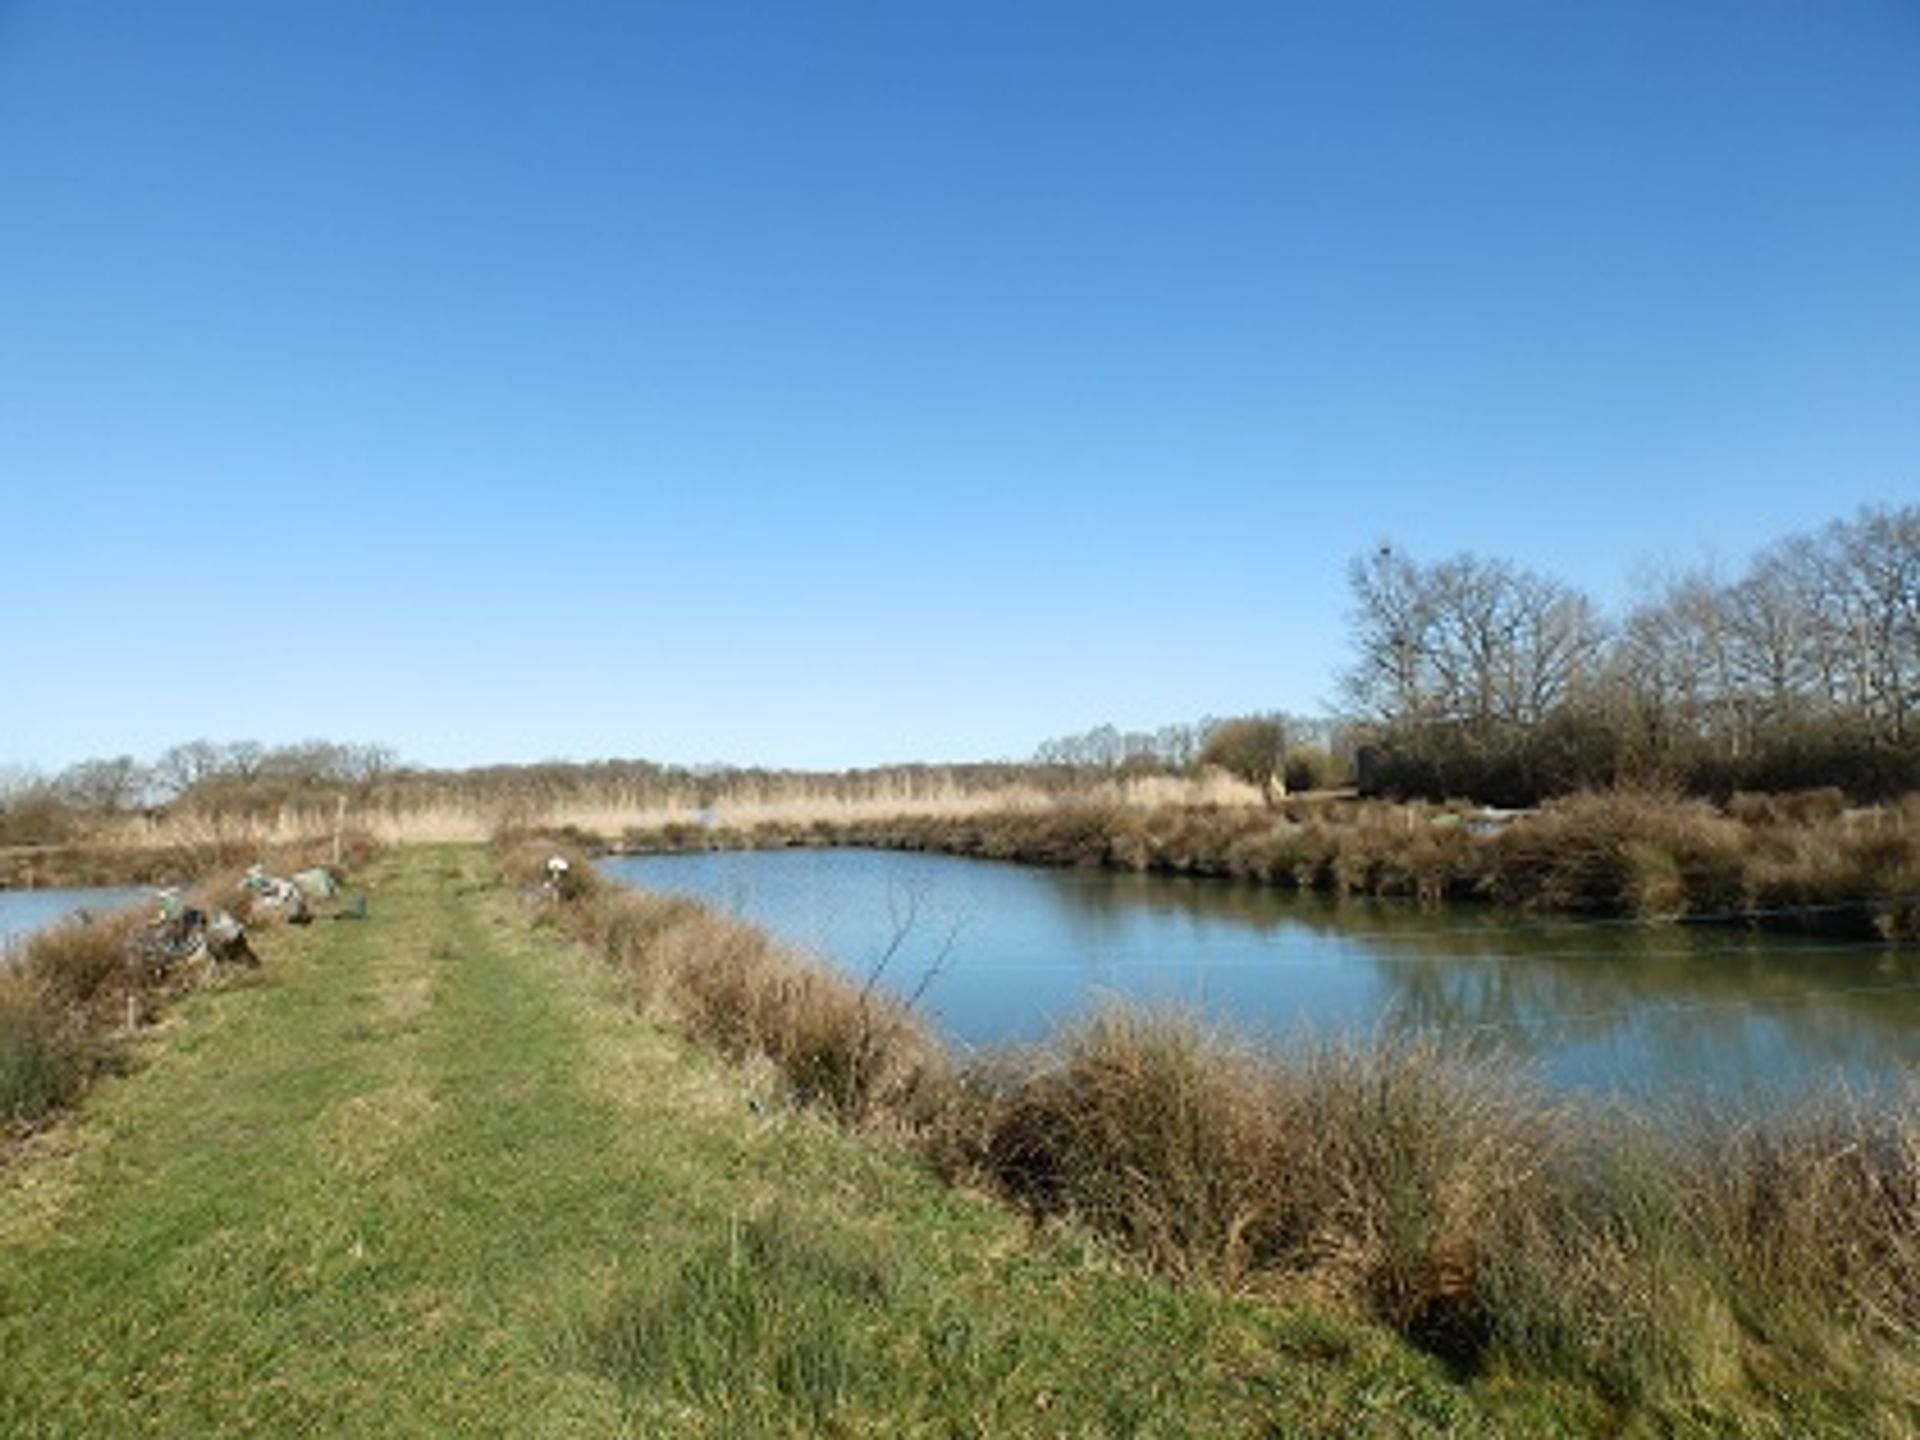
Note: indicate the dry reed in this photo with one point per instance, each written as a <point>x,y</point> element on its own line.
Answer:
<point>1851,872</point>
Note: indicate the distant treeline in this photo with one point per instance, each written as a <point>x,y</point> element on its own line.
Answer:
<point>245,780</point>
<point>1477,678</point>
<point>1304,752</point>
<point>1470,678</point>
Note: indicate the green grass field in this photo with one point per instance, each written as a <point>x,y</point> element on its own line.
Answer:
<point>429,1175</point>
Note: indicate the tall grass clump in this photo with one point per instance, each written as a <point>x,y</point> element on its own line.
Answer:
<point>776,1317</point>
<point>43,1059</point>
<point>1675,1260</point>
<point>1663,1265</point>
<point>1819,1208</point>
<point>1622,853</point>
<point>1376,1170</point>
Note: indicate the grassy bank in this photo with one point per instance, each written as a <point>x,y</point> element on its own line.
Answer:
<point>432,1175</point>
<point>1805,863</point>
<point>72,996</point>
<point>1713,1276</point>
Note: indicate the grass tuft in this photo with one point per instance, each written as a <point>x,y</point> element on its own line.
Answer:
<point>773,1321</point>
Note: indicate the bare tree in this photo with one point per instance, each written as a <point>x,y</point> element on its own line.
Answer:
<point>182,767</point>
<point>1677,660</point>
<point>1873,567</point>
<point>107,787</point>
<point>1469,642</point>
<point>1177,746</point>
<point>242,759</point>
<point>369,764</point>
<point>1774,631</point>
<point>1394,637</point>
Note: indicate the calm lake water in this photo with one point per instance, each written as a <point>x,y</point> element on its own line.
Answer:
<point>24,911</point>
<point>1014,950</point>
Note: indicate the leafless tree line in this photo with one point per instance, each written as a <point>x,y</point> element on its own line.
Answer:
<point>1802,670</point>
<point>1106,748</point>
<point>1176,748</point>
<point>120,784</point>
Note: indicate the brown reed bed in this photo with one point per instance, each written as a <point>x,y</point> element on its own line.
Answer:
<point>90,863</point>
<point>1800,863</point>
<point>177,854</point>
<point>1695,1268</point>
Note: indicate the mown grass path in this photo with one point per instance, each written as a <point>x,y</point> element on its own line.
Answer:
<point>427,1175</point>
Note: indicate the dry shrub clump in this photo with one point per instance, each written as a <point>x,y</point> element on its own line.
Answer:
<point>1621,853</point>
<point>59,994</point>
<point>1788,862</point>
<point>44,1057</point>
<point>1376,1170</point>
<point>82,964</point>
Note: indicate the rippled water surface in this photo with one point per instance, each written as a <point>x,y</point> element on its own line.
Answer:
<point>1005,952</point>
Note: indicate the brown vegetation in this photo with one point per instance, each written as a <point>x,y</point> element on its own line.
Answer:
<point>1798,862</point>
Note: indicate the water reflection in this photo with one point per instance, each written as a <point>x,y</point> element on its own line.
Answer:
<point>1593,1004</point>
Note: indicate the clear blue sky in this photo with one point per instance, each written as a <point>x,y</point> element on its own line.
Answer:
<point>835,383</point>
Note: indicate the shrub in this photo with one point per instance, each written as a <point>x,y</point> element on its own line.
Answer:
<point>42,1060</point>
<point>81,962</point>
<point>1378,1168</point>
